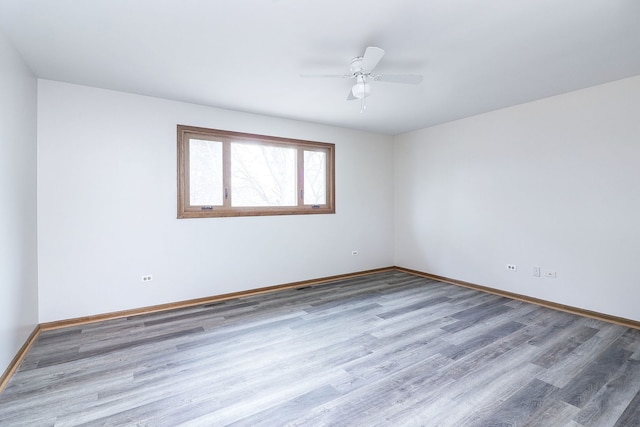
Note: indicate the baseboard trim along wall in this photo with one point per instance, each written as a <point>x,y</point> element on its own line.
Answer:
<point>15,363</point>
<point>13,366</point>
<point>198,301</point>
<point>561,307</point>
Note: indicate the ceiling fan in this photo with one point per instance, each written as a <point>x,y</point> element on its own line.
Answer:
<point>361,69</point>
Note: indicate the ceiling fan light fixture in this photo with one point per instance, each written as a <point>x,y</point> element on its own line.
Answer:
<point>362,89</point>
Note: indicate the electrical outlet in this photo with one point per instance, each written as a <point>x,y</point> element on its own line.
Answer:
<point>536,271</point>
<point>147,278</point>
<point>512,267</point>
<point>354,252</point>
<point>550,274</point>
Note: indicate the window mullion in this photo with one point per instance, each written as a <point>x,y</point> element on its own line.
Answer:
<point>300,170</point>
<point>226,174</point>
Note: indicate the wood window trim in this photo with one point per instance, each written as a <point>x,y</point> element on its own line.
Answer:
<point>185,210</point>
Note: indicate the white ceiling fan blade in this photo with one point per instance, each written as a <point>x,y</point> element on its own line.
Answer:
<point>321,76</point>
<point>412,79</point>
<point>371,57</point>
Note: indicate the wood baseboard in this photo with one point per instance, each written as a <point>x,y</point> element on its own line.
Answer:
<point>544,303</point>
<point>17,360</point>
<point>199,301</point>
<point>15,363</point>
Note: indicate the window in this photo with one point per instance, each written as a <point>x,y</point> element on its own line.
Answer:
<point>222,173</point>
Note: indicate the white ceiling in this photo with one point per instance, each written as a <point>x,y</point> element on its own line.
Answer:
<point>248,55</point>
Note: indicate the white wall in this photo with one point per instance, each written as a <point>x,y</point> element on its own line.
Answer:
<point>553,183</point>
<point>107,207</point>
<point>18,245</point>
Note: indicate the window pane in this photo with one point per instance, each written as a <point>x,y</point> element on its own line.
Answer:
<point>315,177</point>
<point>262,175</point>
<point>205,173</point>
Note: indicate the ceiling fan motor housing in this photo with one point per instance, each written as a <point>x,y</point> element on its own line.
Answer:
<point>356,66</point>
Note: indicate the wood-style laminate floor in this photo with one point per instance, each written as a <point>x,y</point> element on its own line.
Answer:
<point>389,349</point>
